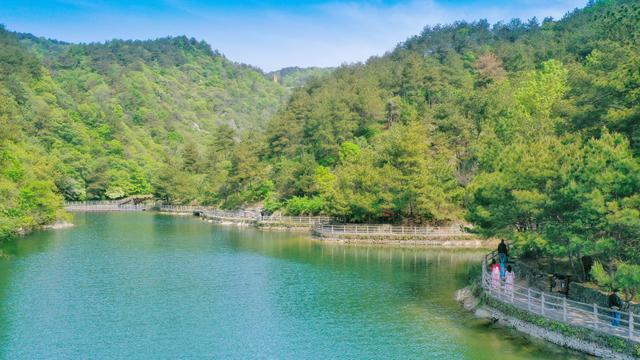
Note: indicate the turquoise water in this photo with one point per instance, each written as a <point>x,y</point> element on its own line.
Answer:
<point>151,286</point>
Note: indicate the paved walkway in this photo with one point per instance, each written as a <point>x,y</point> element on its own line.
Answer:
<point>562,309</point>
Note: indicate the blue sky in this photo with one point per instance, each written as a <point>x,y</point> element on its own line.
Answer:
<point>270,34</point>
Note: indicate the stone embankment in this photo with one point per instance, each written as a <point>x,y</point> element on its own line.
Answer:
<point>484,309</point>
<point>453,236</point>
<point>58,225</point>
<point>585,327</point>
<point>323,228</point>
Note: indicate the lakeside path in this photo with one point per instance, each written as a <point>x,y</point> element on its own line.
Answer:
<point>561,309</point>
<point>322,228</point>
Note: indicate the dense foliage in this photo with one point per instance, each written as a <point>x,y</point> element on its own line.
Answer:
<point>530,131</point>
<point>293,77</point>
<point>104,121</point>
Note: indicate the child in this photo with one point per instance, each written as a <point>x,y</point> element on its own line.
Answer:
<point>495,275</point>
<point>509,280</point>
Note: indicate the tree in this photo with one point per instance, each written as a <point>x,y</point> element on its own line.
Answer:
<point>489,69</point>
<point>191,158</point>
<point>623,276</point>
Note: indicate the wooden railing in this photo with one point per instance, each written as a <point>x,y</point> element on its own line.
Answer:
<point>561,309</point>
<point>354,229</point>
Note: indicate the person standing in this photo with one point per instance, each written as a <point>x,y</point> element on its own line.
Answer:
<point>503,253</point>
<point>509,280</point>
<point>615,304</point>
<point>495,275</point>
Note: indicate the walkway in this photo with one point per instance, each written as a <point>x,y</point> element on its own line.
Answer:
<point>107,205</point>
<point>559,308</point>
<point>365,229</point>
<point>246,216</point>
<point>325,227</point>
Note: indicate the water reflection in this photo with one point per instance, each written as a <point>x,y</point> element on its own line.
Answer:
<point>155,286</point>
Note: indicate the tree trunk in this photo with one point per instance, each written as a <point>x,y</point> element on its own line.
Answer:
<point>582,276</point>
<point>572,262</point>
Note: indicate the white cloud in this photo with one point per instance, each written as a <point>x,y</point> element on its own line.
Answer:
<point>338,32</point>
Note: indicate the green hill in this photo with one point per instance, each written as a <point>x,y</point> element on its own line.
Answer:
<point>293,77</point>
<point>103,121</point>
<point>405,134</point>
<point>529,130</point>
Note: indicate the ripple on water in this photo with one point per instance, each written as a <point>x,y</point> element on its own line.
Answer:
<point>141,286</point>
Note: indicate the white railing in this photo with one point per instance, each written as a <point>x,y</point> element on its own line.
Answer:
<point>227,214</point>
<point>561,309</point>
<point>298,220</point>
<point>353,229</point>
<point>104,206</point>
<point>183,208</point>
<point>211,212</point>
<point>94,202</point>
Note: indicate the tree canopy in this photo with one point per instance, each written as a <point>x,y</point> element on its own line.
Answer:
<point>529,130</point>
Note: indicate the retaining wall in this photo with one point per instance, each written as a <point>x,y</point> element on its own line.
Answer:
<point>406,240</point>
<point>583,293</point>
<point>582,340</point>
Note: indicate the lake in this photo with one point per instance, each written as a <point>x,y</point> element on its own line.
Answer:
<point>153,286</point>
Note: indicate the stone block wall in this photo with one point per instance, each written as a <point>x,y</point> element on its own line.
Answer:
<point>585,294</point>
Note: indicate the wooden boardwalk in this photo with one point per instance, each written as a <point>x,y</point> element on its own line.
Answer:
<point>559,308</point>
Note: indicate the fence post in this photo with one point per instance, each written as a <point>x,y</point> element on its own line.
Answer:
<point>484,273</point>
<point>332,229</point>
<point>512,291</point>
<point>630,324</point>
<point>529,299</point>
<point>564,309</point>
<point>542,304</point>
<point>595,316</point>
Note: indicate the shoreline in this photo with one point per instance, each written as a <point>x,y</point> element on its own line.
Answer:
<point>583,340</point>
<point>56,225</point>
<point>391,240</point>
<point>480,305</point>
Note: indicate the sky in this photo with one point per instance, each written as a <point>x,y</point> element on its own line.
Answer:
<point>270,34</point>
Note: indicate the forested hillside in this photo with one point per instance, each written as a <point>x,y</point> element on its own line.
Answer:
<point>293,77</point>
<point>104,121</point>
<point>529,130</point>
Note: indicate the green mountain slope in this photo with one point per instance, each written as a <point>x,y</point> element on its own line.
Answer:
<point>405,136</point>
<point>104,121</point>
<point>293,77</point>
<point>530,131</point>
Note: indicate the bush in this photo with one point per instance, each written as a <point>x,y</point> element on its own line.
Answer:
<point>304,205</point>
<point>625,276</point>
